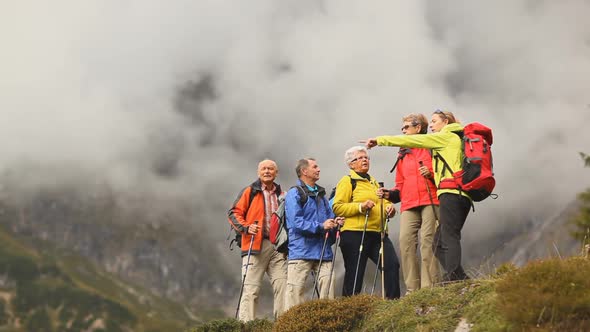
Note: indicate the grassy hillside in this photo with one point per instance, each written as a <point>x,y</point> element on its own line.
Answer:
<point>550,295</point>
<point>50,290</point>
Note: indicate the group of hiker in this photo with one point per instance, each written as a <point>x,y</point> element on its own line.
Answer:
<point>356,219</point>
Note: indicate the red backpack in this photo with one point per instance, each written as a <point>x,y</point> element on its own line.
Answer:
<point>476,176</point>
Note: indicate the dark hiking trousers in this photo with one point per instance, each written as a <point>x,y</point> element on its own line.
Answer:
<point>349,245</point>
<point>453,213</point>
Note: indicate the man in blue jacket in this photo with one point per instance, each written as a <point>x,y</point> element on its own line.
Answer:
<point>308,220</point>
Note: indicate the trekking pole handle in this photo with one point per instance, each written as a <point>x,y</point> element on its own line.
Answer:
<point>381,185</point>
<point>421,163</point>
<point>255,223</point>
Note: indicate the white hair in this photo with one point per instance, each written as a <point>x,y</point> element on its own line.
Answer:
<point>350,154</point>
<point>266,160</point>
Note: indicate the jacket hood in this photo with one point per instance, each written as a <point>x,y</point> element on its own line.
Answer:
<point>452,127</point>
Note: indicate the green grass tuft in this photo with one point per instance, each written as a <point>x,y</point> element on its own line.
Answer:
<point>234,325</point>
<point>551,295</point>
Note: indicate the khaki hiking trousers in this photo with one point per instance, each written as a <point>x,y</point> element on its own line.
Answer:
<point>423,271</point>
<point>274,264</point>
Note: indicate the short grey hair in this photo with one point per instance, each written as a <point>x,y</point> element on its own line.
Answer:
<point>301,164</point>
<point>351,153</point>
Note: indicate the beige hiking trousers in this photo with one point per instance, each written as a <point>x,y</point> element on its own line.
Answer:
<point>419,220</point>
<point>274,264</point>
<point>298,270</point>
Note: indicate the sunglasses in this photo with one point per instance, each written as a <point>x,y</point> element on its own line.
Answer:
<point>441,113</point>
<point>406,127</point>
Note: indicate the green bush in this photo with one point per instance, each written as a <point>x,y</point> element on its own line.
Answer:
<point>258,325</point>
<point>234,325</point>
<point>552,294</point>
<point>342,314</point>
<point>38,321</point>
<point>3,315</point>
<point>18,267</point>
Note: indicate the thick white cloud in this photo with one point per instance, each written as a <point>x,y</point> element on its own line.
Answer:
<point>93,86</point>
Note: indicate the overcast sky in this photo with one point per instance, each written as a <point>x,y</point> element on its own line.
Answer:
<point>181,99</point>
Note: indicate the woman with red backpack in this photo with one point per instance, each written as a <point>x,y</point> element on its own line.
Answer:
<point>445,143</point>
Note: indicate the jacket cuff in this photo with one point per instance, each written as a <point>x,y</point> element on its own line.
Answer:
<point>320,229</point>
<point>394,196</point>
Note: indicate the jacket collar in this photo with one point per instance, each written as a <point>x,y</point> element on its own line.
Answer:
<point>257,186</point>
<point>355,176</point>
<point>321,190</point>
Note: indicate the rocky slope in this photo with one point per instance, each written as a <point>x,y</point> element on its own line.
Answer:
<point>154,250</point>
<point>43,288</point>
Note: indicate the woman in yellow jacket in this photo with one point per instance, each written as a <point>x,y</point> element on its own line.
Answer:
<point>356,199</point>
<point>454,204</point>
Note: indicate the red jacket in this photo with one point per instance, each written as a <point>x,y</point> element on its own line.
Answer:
<point>410,183</point>
<point>248,208</point>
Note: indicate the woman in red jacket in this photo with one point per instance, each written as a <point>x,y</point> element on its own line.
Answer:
<point>414,186</point>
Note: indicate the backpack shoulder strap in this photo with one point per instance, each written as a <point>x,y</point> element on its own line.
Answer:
<point>352,183</point>
<point>400,155</point>
<point>302,195</point>
<point>438,156</point>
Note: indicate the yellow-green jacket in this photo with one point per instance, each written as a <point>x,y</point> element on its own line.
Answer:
<point>346,203</point>
<point>445,142</point>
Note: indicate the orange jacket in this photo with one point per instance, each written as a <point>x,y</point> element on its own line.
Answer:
<point>248,208</point>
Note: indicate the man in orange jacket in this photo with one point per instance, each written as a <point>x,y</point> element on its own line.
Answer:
<point>250,214</point>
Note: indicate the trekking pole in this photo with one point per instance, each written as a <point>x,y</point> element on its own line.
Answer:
<point>429,194</point>
<point>334,259</point>
<point>315,288</point>
<point>317,275</point>
<point>376,274</point>
<point>245,272</point>
<point>436,222</point>
<point>379,260</point>
<point>381,250</point>
<point>358,262</point>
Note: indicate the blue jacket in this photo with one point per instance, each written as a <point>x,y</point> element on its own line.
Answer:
<point>305,224</point>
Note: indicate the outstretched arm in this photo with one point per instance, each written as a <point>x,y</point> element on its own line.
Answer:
<point>427,141</point>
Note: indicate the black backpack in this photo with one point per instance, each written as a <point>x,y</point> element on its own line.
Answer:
<point>333,193</point>
<point>237,240</point>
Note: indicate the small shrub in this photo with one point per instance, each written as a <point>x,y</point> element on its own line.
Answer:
<point>3,315</point>
<point>234,325</point>
<point>342,314</point>
<point>39,321</point>
<point>258,325</point>
<point>552,294</point>
<point>229,325</point>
